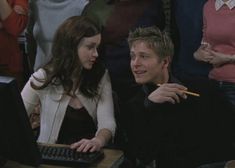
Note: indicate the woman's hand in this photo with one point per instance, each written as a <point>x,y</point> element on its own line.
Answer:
<point>217,59</point>
<point>168,92</point>
<point>203,53</point>
<point>220,59</point>
<point>88,145</point>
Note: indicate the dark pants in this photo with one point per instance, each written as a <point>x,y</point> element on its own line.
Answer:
<point>228,90</point>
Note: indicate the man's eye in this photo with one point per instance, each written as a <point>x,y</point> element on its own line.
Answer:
<point>144,56</point>
<point>132,56</point>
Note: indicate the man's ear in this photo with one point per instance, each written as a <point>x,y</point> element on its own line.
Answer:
<point>166,62</point>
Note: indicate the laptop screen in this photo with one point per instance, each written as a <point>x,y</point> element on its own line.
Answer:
<point>17,141</point>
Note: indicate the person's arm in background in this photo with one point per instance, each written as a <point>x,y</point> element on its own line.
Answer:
<point>14,19</point>
<point>203,52</point>
<point>220,59</point>
<point>206,54</point>
<point>5,9</point>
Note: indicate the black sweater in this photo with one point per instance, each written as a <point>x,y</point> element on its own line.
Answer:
<point>195,131</point>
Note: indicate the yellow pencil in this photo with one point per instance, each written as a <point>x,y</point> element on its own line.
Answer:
<point>187,92</point>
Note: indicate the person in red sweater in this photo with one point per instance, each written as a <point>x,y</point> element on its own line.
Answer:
<point>13,20</point>
<point>218,45</point>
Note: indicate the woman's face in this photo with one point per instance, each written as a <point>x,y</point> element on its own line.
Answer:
<point>87,50</point>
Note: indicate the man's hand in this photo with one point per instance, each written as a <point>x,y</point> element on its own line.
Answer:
<point>168,92</point>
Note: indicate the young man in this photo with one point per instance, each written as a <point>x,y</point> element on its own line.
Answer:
<point>168,125</point>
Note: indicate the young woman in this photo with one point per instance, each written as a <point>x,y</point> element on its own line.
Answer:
<point>218,45</point>
<point>73,89</point>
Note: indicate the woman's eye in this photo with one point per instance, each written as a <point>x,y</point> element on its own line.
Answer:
<point>90,47</point>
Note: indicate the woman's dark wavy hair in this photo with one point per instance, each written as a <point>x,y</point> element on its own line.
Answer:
<point>65,67</point>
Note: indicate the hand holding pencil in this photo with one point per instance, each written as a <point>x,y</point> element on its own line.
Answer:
<point>187,92</point>
<point>170,92</point>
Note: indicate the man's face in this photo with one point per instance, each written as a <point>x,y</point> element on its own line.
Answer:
<point>146,66</point>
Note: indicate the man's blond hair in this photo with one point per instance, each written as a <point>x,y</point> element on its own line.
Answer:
<point>157,40</point>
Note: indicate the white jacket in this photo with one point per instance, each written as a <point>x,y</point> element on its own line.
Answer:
<point>54,104</point>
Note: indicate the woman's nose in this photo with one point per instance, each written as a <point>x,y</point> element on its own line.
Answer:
<point>95,53</point>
